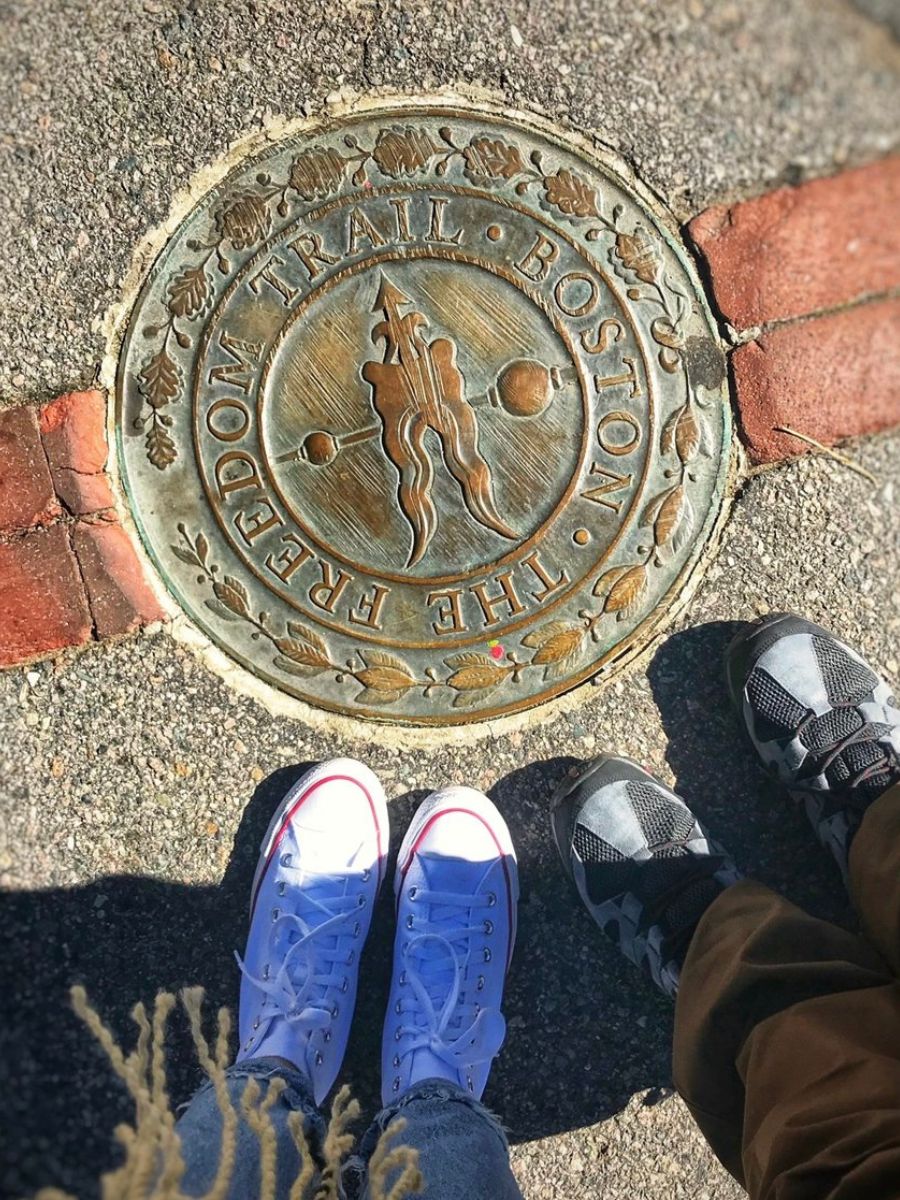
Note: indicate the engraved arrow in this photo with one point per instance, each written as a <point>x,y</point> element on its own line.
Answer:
<point>524,388</point>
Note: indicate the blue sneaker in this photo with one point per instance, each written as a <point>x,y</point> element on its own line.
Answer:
<point>457,889</point>
<point>319,872</point>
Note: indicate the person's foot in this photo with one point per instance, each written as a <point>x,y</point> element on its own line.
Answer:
<point>822,721</point>
<point>457,890</point>
<point>319,872</point>
<point>641,862</point>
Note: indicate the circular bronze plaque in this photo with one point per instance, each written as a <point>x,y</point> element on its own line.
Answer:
<point>422,414</point>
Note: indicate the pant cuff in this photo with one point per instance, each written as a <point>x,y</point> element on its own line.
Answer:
<point>427,1089</point>
<point>298,1095</point>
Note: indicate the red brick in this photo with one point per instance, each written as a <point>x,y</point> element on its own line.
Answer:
<point>120,598</point>
<point>26,489</point>
<point>43,607</point>
<point>831,377</point>
<point>74,431</point>
<point>798,251</point>
<point>73,428</point>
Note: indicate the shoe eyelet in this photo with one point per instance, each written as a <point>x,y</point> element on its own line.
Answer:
<point>286,859</point>
<point>345,986</point>
<point>256,1023</point>
<point>397,1036</point>
<point>248,1043</point>
<point>413,892</point>
<point>327,1036</point>
<point>480,985</point>
<point>398,1008</point>
<point>489,927</point>
<point>409,921</point>
<point>402,978</point>
<point>396,1084</point>
<point>361,902</point>
<point>276,913</point>
<point>351,958</point>
<point>281,886</point>
<point>334,1012</point>
<point>319,1059</point>
<point>470,1083</point>
<point>396,1060</point>
<point>266,972</point>
<point>366,875</point>
<point>491,899</point>
<point>487,954</point>
<point>356,928</point>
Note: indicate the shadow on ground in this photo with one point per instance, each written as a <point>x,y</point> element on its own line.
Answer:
<point>585,1030</point>
<point>584,1033</point>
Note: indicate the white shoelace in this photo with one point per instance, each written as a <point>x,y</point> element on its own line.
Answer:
<point>439,963</point>
<point>298,991</point>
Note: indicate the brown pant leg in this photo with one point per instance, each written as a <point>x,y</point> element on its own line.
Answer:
<point>787,1051</point>
<point>875,876</point>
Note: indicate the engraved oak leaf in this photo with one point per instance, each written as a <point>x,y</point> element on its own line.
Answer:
<point>637,253</point>
<point>568,192</point>
<point>159,383</point>
<point>190,293</point>
<point>671,341</point>
<point>490,160</point>
<point>160,448</point>
<point>317,172</point>
<point>245,220</point>
<point>160,380</point>
<point>403,151</point>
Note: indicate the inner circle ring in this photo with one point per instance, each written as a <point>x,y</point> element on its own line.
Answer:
<point>439,254</point>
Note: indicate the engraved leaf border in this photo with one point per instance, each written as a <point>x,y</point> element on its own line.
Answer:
<point>245,219</point>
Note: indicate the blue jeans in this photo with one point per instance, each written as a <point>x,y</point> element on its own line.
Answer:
<point>463,1152</point>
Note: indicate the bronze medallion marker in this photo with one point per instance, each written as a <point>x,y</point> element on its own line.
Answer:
<point>423,416</point>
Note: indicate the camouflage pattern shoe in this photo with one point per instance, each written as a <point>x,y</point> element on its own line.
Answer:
<point>641,862</point>
<point>822,721</point>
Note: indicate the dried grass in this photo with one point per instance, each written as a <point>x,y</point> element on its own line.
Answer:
<point>153,1166</point>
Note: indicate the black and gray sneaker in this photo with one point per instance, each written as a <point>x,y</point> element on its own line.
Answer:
<point>642,863</point>
<point>822,721</point>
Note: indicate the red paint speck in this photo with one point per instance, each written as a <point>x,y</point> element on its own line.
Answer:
<point>497,652</point>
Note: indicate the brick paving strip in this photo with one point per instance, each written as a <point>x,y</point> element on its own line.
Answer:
<point>807,279</point>
<point>68,570</point>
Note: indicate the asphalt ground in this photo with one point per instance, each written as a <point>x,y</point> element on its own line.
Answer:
<point>136,784</point>
<point>108,109</point>
<point>137,787</point>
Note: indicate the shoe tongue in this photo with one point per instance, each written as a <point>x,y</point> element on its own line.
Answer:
<point>283,1040</point>
<point>457,875</point>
